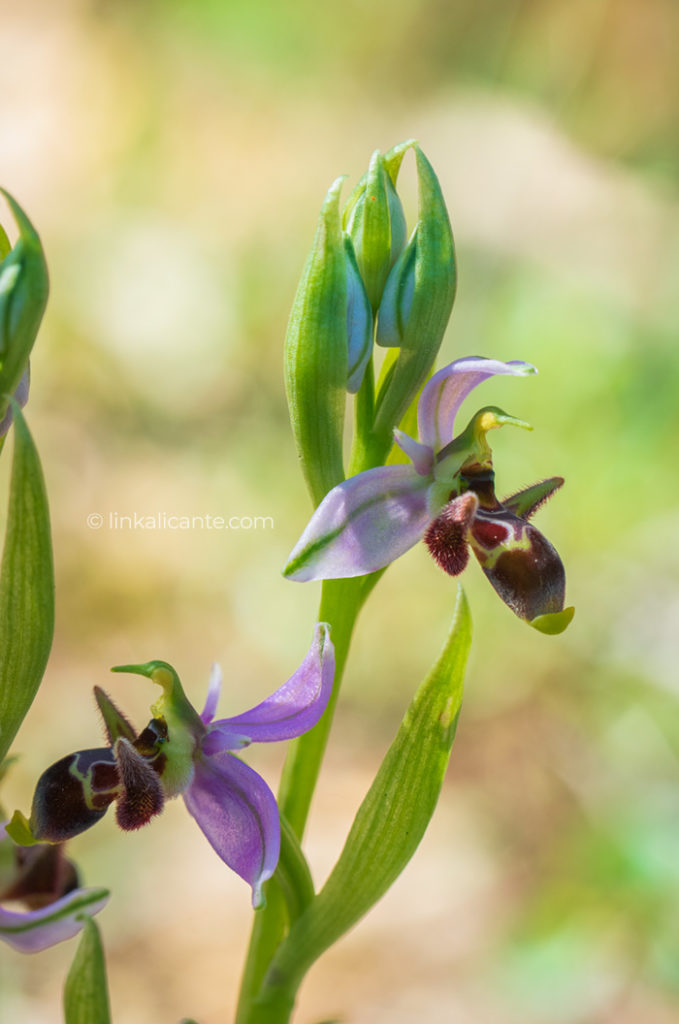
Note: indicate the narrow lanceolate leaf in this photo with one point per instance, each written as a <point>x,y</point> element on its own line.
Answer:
<point>391,820</point>
<point>316,354</point>
<point>86,990</point>
<point>26,587</point>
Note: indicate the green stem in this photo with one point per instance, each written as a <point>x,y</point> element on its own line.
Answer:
<point>341,602</point>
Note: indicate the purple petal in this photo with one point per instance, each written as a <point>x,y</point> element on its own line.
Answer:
<point>421,455</point>
<point>213,691</point>
<point>35,930</point>
<point>21,396</point>
<point>444,393</point>
<point>293,709</point>
<point>362,525</point>
<point>238,814</point>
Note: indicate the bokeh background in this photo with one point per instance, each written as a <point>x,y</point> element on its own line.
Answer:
<point>173,155</point>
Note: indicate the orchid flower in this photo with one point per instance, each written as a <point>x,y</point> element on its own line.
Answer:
<point>182,752</point>
<point>445,496</point>
<point>47,883</point>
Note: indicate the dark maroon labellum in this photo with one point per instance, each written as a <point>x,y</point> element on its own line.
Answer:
<point>73,794</point>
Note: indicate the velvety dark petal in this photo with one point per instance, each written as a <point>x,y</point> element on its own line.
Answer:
<point>73,794</point>
<point>291,710</point>
<point>447,535</point>
<point>42,874</point>
<point>527,502</point>
<point>443,395</point>
<point>362,525</point>
<point>521,564</point>
<point>141,794</point>
<point>238,814</point>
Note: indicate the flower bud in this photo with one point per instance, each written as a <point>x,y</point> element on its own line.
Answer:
<point>416,304</point>
<point>23,296</point>
<point>374,219</point>
<point>359,322</point>
<point>316,355</point>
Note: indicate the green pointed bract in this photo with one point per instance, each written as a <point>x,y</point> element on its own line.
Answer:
<point>416,305</point>
<point>86,998</point>
<point>375,221</point>
<point>26,586</point>
<point>527,502</point>
<point>115,723</point>
<point>24,287</point>
<point>390,822</point>
<point>184,726</point>
<point>316,354</point>
<point>393,158</point>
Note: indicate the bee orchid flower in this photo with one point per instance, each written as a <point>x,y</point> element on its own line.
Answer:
<point>46,883</point>
<point>446,497</point>
<point>181,752</point>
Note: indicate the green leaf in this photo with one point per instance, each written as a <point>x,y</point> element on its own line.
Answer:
<point>26,586</point>
<point>86,990</point>
<point>391,820</point>
<point>292,874</point>
<point>316,354</point>
<point>24,287</point>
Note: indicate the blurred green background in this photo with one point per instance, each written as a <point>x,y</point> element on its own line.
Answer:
<point>174,156</point>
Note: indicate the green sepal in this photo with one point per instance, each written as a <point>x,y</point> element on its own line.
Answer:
<point>19,829</point>
<point>26,586</point>
<point>374,219</point>
<point>24,287</point>
<point>419,303</point>
<point>393,158</point>
<point>316,354</point>
<point>391,820</point>
<point>86,999</point>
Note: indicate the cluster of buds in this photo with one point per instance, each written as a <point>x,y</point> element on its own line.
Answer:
<point>366,282</point>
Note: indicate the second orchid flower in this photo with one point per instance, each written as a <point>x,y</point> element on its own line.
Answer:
<point>182,752</point>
